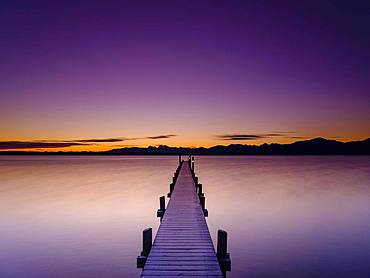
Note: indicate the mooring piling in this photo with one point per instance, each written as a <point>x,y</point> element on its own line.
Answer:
<point>147,245</point>
<point>202,201</point>
<point>200,189</point>
<point>172,185</point>
<point>162,207</point>
<point>222,255</point>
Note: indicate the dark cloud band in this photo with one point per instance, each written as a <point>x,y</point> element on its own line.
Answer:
<point>108,140</point>
<point>47,144</point>
<point>36,145</point>
<point>161,136</point>
<point>253,136</point>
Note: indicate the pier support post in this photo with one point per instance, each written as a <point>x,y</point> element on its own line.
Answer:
<point>162,207</point>
<point>179,160</point>
<point>222,255</point>
<point>202,201</point>
<point>200,189</point>
<point>147,245</point>
<point>172,186</point>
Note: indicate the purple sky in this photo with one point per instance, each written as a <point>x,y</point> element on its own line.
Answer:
<point>195,69</point>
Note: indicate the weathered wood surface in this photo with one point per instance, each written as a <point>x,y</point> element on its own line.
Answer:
<point>183,246</point>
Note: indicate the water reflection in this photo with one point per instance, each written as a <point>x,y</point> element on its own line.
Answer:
<point>79,216</point>
<point>291,216</point>
<point>286,216</point>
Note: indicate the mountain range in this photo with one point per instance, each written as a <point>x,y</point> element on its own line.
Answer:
<point>316,146</point>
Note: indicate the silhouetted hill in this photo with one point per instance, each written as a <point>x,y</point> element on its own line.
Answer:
<point>317,146</point>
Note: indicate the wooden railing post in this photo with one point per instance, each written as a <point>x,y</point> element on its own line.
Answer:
<point>147,245</point>
<point>221,243</point>
<point>172,186</point>
<point>162,207</point>
<point>162,204</point>
<point>222,255</point>
<point>200,189</point>
<point>202,201</point>
<point>147,241</point>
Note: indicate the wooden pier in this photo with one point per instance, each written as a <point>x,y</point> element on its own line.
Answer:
<point>183,245</point>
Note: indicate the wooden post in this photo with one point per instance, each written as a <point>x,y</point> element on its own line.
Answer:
<point>200,189</point>
<point>179,159</point>
<point>192,163</point>
<point>202,200</point>
<point>147,241</point>
<point>222,255</point>
<point>162,204</point>
<point>221,243</point>
<point>196,180</point>
<point>172,186</point>
<point>162,207</point>
<point>147,245</point>
<point>174,179</point>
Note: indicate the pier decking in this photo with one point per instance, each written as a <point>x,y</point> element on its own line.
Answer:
<point>183,245</point>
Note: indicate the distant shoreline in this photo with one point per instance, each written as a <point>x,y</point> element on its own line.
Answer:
<point>317,146</point>
<point>105,154</point>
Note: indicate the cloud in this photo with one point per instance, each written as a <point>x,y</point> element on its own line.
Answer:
<point>160,136</point>
<point>36,145</point>
<point>121,139</point>
<point>49,144</point>
<point>238,137</point>
<point>108,140</point>
<point>254,136</point>
<point>296,137</point>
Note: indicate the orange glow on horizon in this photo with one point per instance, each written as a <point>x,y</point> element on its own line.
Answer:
<point>172,142</point>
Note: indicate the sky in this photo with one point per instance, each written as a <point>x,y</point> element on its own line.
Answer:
<point>96,75</point>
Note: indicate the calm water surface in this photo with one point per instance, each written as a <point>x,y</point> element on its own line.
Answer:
<point>286,216</point>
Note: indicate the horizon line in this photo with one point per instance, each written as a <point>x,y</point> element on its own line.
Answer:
<point>48,150</point>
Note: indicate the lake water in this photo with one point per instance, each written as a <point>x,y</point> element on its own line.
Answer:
<point>285,216</point>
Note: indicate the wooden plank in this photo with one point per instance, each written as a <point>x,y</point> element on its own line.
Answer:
<point>180,267</point>
<point>182,262</point>
<point>183,245</point>
<point>196,273</point>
